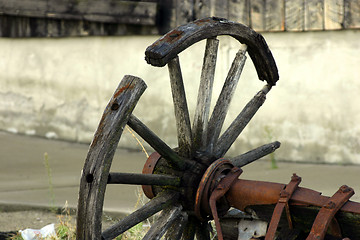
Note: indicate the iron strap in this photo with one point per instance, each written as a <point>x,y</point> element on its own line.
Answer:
<point>285,196</point>
<point>328,211</point>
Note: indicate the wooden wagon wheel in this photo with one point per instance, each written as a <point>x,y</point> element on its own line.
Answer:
<point>179,170</point>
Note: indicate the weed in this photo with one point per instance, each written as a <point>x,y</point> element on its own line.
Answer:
<point>51,187</point>
<point>269,135</point>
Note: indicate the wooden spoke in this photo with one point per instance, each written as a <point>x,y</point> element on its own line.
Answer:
<point>222,105</point>
<point>175,232</point>
<point>101,152</point>
<point>163,223</point>
<point>255,154</point>
<point>190,228</point>
<point>143,179</point>
<point>201,116</point>
<point>181,109</point>
<point>155,205</point>
<point>236,127</point>
<point>155,142</point>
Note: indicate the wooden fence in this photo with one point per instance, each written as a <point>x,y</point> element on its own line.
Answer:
<point>61,18</point>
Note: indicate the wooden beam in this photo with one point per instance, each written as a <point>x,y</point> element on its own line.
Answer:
<point>294,15</point>
<point>274,15</point>
<point>257,15</point>
<point>239,11</point>
<point>116,11</point>
<point>314,15</point>
<point>333,14</point>
<point>352,14</point>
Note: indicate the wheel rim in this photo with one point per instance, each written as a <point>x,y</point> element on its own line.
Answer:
<point>180,170</point>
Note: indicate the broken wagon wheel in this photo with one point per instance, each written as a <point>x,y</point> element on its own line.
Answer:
<point>179,170</point>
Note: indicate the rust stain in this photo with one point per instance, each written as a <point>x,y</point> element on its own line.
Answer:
<point>127,86</point>
<point>172,36</point>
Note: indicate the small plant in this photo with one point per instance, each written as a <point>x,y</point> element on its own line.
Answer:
<point>51,187</point>
<point>269,135</point>
<point>66,229</point>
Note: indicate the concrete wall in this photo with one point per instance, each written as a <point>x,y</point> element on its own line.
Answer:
<point>58,88</point>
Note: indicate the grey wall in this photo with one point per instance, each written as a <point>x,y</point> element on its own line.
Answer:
<point>58,88</point>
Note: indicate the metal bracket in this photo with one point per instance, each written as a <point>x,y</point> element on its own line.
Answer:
<point>285,196</point>
<point>328,211</point>
<point>220,190</point>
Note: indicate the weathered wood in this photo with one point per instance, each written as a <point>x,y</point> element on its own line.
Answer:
<point>222,105</point>
<point>190,229</point>
<point>257,14</point>
<point>163,223</point>
<point>352,14</point>
<point>202,9</point>
<point>99,158</point>
<point>143,179</point>
<point>184,11</point>
<point>182,117</point>
<point>239,11</point>
<point>333,14</point>
<point>116,11</point>
<point>236,127</point>
<point>155,142</point>
<point>255,154</point>
<point>168,46</point>
<point>274,15</point>
<point>176,230</point>
<point>201,116</point>
<point>294,15</point>
<point>220,9</point>
<point>160,202</point>
<point>314,14</point>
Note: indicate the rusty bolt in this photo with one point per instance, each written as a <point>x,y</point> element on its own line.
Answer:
<point>330,205</point>
<point>345,189</point>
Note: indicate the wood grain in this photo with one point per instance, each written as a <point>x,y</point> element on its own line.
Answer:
<point>99,158</point>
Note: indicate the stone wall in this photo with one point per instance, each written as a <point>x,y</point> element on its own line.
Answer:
<point>58,88</point>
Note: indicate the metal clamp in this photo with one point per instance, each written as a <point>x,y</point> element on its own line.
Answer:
<point>328,211</point>
<point>285,196</point>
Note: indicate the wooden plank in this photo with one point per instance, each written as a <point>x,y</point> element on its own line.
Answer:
<point>203,9</point>
<point>101,152</point>
<point>255,154</point>
<point>333,14</point>
<point>220,9</point>
<point>222,104</point>
<point>182,116</point>
<point>240,122</point>
<point>352,14</point>
<point>295,15</point>
<point>257,14</point>
<point>274,15</point>
<point>117,11</point>
<point>202,111</point>
<point>184,11</point>
<point>314,15</point>
<point>239,11</point>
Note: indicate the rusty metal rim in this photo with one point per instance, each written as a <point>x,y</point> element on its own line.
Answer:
<point>148,168</point>
<point>206,178</point>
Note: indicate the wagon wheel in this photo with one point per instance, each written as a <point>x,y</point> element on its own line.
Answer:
<point>173,176</point>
